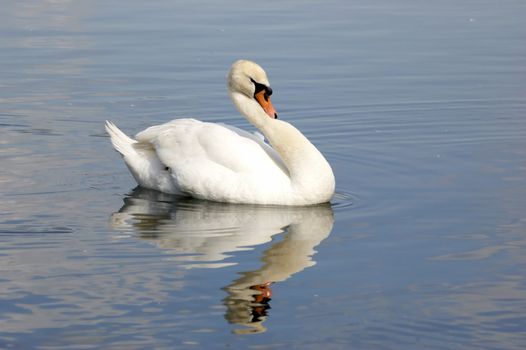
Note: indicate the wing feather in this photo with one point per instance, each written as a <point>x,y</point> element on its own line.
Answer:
<point>204,155</point>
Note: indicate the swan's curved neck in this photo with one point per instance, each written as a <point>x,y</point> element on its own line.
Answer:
<point>250,109</point>
<point>307,167</point>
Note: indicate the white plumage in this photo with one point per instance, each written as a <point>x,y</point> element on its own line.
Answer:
<point>223,163</point>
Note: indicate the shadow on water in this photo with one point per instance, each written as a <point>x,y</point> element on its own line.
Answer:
<point>203,234</point>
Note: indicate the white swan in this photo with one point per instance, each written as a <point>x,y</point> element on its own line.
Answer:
<point>225,164</point>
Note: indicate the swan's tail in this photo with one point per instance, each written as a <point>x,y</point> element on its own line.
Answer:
<point>142,161</point>
<point>120,141</point>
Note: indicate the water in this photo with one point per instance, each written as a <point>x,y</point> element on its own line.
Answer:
<point>419,107</point>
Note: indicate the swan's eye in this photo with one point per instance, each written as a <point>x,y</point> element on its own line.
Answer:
<point>261,87</point>
<point>268,92</point>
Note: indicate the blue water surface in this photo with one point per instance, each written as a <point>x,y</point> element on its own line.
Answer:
<point>419,107</point>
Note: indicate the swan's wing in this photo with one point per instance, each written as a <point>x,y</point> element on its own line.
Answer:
<point>205,155</point>
<point>259,138</point>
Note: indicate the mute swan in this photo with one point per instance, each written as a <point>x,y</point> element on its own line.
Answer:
<point>222,163</point>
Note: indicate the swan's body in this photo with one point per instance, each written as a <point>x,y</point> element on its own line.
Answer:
<point>226,164</point>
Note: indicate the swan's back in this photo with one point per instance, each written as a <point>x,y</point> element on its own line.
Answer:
<point>213,161</point>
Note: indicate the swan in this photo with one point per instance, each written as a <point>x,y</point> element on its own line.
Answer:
<point>222,163</point>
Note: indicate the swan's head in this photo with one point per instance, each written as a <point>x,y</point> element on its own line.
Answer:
<point>249,79</point>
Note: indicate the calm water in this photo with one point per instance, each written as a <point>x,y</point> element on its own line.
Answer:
<point>419,106</point>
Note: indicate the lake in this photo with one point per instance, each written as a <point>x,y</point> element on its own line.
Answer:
<point>420,107</point>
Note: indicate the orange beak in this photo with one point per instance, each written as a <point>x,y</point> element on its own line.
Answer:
<point>265,290</point>
<point>264,100</point>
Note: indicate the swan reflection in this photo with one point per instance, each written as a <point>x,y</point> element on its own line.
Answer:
<point>204,234</point>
